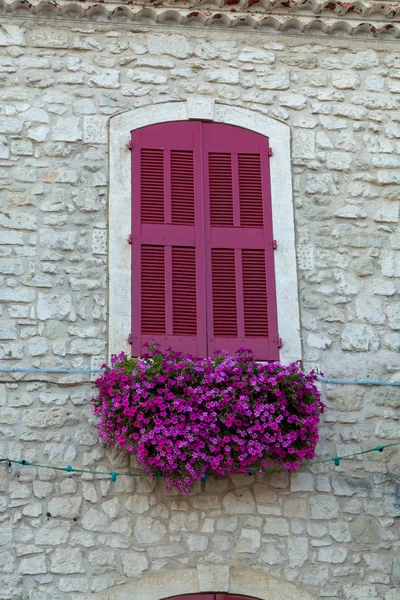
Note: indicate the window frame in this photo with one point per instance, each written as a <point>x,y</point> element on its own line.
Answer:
<point>119,212</point>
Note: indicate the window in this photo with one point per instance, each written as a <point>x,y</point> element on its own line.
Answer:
<point>120,208</point>
<point>202,244</point>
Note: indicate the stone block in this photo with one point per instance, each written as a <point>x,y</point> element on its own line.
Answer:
<point>291,100</point>
<point>324,183</point>
<point>8,331</point>
<point>380,562</point>
<point>144,76</point>
<point>99,241</point>
<point>359,592</point>
<point>351,211</point>
<point>67,508</point>
<point>94,520</point>
<point>239,502</point>
<point>84,106</point>
<point>358,338</point>
<point>301,482</point>
<point>332,554</point>
<point>67,129</point>
<point>48,38</point>
<point>324,507</point>
<point>348,486</point>
<point>149,531</point>
<point>393,315</point>
<point>361,60</point>
<point>66,560</point>
<point>276,527</point>
<point>387,429</point>
<point>11,351</point>
<point>10,125</point>
<point>22,147</point>
<point>108,79</point>
<point>197,543</point>
<point>297,551</point>
<point>33,565</point>
<point>226,75</point>
<point>213,577</point>
<point>89,346</point>
<point>249,541</point>
<point>53,306</point>
<point>256,56</point>
<point>171,44</point>
<point>339,161</point>
<point>11,35</point>
<point>370,310</point>
<point>340,531</point>
<point>52,533</point>
<point>277,79</point>
<point>38,79</point>
<point>304,144</point>
<point>295,507</point>
<point>138,504</point>
<point>134,563</point>
<point>73,584</point>
<point>16,219</point>
<point>38,134</point>
<point>95,130</point>
<point>345,80</point>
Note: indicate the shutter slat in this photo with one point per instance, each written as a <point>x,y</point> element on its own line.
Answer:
<point>224,292</point>
<point>255,293</point>
<point>184,296</point>
<point>221,198</point>
<point>182,187</point>
<point>153,290</point>
<point>152,185</point>
<point>250,190</point>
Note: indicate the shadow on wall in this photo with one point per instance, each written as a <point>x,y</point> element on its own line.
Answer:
<point>249,582</point>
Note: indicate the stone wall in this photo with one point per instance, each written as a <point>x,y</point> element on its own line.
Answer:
<point>330,531</point>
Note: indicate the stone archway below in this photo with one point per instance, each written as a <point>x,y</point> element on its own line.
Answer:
<point>247,581</point>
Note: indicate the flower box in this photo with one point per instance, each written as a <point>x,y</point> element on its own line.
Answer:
<point>185,418</point>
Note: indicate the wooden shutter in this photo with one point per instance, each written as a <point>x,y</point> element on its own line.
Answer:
<point>168,278</point>
<point>241,302</point>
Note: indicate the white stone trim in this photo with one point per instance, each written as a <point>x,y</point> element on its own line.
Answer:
<point>247,581</point>
<point>199,107</point>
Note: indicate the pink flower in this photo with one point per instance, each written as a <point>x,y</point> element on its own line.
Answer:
<point>184,417</point>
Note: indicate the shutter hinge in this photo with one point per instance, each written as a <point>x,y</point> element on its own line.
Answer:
<point>274,244</point>
<point>269,151</point>
<point>280,343</point>
<point>130,144</point>
<point>130,338</point>
<point>130,238</point>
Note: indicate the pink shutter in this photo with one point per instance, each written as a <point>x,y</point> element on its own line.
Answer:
<point>241,301</point>
<point>168,278</point>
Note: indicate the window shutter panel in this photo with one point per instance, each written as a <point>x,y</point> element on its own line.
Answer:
<point>168,277</point>
<point>241,300</point>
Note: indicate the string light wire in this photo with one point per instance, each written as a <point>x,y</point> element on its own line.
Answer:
<point>114,474</point>
<point>91,371</point>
